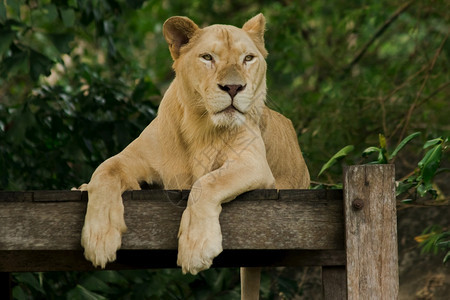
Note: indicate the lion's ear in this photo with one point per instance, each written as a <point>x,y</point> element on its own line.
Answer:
<point>255,27</point>
<point>178,31</point>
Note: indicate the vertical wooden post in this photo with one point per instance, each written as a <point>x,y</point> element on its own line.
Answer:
<point>371,232</point>
<point>334,283</point>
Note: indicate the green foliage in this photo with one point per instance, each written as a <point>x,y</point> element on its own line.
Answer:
<point>335,158</point>
<point>62,133</point>
<point>143,284</point>
<point>434,239</point>
<point>383,155</point>
<point>421,180</point>
<point>427,168</point>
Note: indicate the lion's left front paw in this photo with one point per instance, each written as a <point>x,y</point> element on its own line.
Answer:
<point>82,188</point>
<point>199,241</point>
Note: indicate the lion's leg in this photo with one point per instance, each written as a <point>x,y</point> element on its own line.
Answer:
<point>200,237</point>
<point>104,221</point>
<point>250,281</point>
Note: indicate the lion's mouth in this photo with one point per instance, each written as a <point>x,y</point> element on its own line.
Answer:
<point>229,110</point>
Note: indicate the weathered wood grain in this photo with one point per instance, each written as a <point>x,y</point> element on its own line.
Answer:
<point>371,232</point>
<point>334,283</point>
<point>53,221</point>
<point>50,222</point>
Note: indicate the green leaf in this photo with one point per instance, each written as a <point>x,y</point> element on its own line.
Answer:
<point>404,142</point>
<point>432,142</point>
<point>73,3</point>
<point>52,13</point>
<point>30,280</point>
<point>14,5</point>
<point>431,165</point>
<point>403,187</point>
<point>18,292</point>
<point>2,12</point>
<point>112,277</point>
<point>382,140</point>
<point>370,150</point>
<point>382,158</point>
<point>39,65</point>
<point>6,38</point>
<point>340,154</point>
<point>428,156</point>
<point>81,293</point>
<point>68,17</point>
<point>424,188</point>
<point>17,63</point>
<point>443,244</point>
<point>61,41</point>
<point>93,283</point>
<point>446,257</point>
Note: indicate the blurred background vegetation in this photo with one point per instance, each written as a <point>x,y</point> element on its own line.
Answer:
<point>80,79</point>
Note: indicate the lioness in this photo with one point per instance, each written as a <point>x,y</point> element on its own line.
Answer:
<point>213,135</point>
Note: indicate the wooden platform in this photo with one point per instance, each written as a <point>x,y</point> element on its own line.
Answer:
<point>351,233</point>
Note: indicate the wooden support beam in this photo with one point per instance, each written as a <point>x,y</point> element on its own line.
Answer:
<point>73,260</point>
<point>371,232</point>
<point>40,231</point>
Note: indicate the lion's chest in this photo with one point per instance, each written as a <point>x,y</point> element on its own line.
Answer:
<point>207,158</point>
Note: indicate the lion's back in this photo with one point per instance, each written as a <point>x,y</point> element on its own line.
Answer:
<point>283,151</point>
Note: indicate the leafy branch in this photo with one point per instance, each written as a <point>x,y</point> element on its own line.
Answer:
<point>418,182</point>
<point>433,240</point>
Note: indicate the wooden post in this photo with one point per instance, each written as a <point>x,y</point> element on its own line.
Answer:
<point>334,283</point>
<point>371,232</point>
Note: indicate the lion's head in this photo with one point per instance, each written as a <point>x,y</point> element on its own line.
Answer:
<point>222,68</point>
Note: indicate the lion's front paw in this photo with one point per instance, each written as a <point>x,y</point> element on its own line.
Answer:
<point>199,241</point>
<point>82,187</point>
<point>102,234</point>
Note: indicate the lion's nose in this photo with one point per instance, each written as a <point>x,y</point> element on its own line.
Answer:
<point>232,89</point>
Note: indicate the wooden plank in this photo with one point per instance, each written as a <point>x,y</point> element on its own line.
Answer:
<point>371,232</point>
<point>57,196</point>
<point>16,196</point>
<point>38,229</point>
<point>148,195</point>
<point>73,260</point>
<point>334,283</point>
<point>287,223</point>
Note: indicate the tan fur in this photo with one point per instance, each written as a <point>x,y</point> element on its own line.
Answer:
<point>199,142</point>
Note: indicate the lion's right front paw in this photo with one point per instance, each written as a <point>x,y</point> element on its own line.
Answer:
<point>199,241</point>
<point>101,237</point>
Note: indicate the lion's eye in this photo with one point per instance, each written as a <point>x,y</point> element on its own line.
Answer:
<point>248,58</point>
<point>207,57</point>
